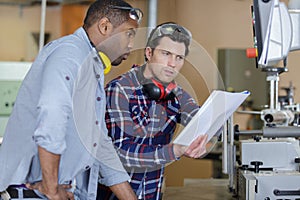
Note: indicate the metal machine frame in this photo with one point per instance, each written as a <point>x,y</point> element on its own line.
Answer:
<point>265,164</point>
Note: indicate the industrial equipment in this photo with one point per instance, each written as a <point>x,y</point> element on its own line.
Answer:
<point>11,77</point>
<point>264,164</point>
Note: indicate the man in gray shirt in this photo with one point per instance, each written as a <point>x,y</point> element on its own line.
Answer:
<point>55,144</point>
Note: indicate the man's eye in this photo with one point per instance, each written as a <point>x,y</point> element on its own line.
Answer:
<point>130,34</point>
<point>165,53</point>
<point>180,57</point>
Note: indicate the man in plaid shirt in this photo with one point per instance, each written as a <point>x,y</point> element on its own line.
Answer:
<point>143,107</point>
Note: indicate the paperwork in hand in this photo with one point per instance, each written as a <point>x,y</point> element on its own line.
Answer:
<point>210,118</point>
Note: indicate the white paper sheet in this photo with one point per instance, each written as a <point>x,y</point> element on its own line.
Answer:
<point>218,107</point>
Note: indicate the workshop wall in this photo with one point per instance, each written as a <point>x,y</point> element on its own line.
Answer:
<point>18,24</point>
<point>215,24</point>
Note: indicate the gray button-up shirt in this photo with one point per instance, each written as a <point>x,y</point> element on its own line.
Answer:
<point>60,107</point>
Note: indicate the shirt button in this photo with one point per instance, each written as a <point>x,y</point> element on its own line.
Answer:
<point>95,144</point>
<point>67,78</point>
<point>97,122</point>
<point>98,98</point>
<point>97,76</point>
<point>87,167</point>
<point>162,112</point>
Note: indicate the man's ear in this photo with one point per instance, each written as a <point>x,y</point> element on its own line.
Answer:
<point>148,53</point>
<point>104,26</point>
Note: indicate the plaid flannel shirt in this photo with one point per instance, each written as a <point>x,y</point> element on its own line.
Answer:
<point>142,129</point>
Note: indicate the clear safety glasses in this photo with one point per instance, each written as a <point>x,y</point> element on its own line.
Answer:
<point>134,13</point>
<point>170,29</point>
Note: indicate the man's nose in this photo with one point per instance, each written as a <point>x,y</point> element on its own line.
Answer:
<point>172,61</point>
<point>131,43</point>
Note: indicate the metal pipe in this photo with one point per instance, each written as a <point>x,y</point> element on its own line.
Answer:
<point>232,154</point>
<point>276,94</point>
<point>42,26</point>
<point>272,94</point>
<point>273,79</point>
<point>281,131</point>
<point>250,132</point>
<point>152,14</point>
<point>225,149</point>
<point>270,132</point>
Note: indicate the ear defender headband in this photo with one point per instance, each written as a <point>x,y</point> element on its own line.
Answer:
<point>106,61</point>
<point>154,89</point>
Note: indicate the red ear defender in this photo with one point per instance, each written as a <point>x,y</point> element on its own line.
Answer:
<point>155,90</point>
<point>160,87</point>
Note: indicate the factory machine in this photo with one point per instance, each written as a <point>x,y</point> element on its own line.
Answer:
<point>264,164</point>
<point>11,77</point>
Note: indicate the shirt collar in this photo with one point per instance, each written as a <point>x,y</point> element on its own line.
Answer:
<point>80,32</point>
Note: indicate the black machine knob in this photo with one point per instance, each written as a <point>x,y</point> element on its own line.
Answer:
<point>256,138</point>
<point>297,160</point>
<point>256,165</point>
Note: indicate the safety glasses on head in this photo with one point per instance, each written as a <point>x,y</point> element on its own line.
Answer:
<point>170,29</point>
<point>134,13</point>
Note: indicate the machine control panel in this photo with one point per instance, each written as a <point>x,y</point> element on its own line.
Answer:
<point>8,93</point>
<point>11,77</point>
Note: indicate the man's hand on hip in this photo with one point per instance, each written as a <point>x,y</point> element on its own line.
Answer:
<point>60,193</point>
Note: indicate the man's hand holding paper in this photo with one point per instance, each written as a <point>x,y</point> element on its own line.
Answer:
<point>195,150</point>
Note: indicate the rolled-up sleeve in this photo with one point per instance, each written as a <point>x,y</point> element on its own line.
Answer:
<point>55,102</point>
<point>110,176</point>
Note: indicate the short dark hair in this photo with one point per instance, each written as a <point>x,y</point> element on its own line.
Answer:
<point>103,8</point>
<point>179,35</point>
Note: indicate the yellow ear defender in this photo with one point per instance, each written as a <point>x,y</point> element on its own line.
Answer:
<point>106,62</point>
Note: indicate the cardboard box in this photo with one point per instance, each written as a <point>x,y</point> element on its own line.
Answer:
<point>187,168</point>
